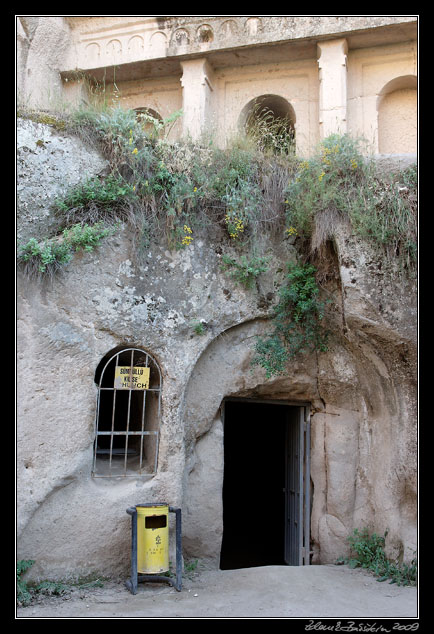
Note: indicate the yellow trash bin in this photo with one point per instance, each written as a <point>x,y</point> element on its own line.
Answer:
<point>152,538</point>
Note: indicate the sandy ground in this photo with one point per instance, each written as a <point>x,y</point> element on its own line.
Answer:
<point>267,592</point>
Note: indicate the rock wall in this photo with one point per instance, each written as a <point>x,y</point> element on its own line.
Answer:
<point>42,44</point>
<point>362,391</point>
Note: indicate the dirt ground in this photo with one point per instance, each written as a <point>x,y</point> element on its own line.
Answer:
<point>315,592</point>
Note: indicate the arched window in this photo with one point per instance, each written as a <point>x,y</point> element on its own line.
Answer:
<point>397,116</point>
<point>127,414</point>
<point>270,121</point>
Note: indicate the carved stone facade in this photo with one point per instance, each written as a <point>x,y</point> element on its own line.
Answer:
<point>355,74</point>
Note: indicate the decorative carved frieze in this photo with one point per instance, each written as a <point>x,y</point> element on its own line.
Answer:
<point>110,40</point>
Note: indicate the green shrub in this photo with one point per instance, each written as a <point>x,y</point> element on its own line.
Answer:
<point>384,213</point>
<point>103,193</point>
<point>199,327</point>
<point>244,271</point>
<point>341,180</point>
<point>23,594</point>
<point>367,551</point>
<point>86,237</point>
<point>47,257</point>
<point>296,320</point>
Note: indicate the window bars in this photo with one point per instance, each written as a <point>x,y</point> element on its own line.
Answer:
<point>127,416</point>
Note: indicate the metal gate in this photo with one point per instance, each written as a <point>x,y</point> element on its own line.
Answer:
<point>127,415</point>
<point>297,487</point>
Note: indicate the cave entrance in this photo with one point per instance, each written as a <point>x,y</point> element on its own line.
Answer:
<point>266,484</point>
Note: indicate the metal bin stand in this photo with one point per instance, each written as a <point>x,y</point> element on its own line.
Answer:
<point>136,577</point>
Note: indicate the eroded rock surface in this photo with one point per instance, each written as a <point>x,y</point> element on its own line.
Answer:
<point>362,391</point>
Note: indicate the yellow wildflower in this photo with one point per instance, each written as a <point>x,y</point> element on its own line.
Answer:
<point>321,176</point>
<point>353,164</point>
<point>291,231</point>
<point>187,239</point>
<point>135,151</point>
<point>235,226</point>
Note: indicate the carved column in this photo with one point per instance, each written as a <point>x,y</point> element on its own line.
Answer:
<point>332,62</point>
<point>197,97</point>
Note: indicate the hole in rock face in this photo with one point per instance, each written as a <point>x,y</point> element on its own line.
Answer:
<point>255,468</point>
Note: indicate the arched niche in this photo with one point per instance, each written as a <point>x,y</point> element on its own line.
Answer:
<point>397,116</point>
<point>270,121</point>
<point>150,120</point>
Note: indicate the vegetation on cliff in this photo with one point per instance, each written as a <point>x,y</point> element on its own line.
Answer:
<point>174,191</point>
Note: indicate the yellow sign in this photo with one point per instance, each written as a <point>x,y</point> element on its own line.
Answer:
<point>138,380</point>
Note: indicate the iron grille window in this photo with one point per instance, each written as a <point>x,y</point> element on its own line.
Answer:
<point>127,414</point>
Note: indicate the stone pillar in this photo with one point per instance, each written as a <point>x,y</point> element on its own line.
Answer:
<point>332,62</point>
<point>197,97</point>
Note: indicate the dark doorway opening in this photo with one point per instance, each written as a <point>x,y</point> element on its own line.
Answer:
<point>261,458</point>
